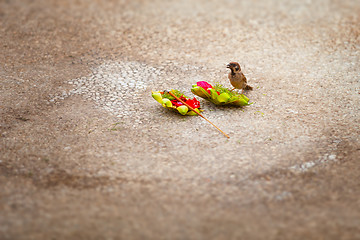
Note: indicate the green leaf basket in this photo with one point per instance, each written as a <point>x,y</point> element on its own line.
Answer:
<point>169,102</point>
<point>219,95</point>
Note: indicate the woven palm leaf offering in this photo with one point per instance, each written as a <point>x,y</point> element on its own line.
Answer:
<point>175,100</point>
<point>219,95</point>
<point>170,102</point>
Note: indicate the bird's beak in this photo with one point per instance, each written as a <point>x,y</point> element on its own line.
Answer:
<point>228,66</point>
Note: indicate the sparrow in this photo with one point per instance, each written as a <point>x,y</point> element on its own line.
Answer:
<point>237,78</point>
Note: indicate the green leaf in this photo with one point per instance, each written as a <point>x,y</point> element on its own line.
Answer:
<point>223,97</point>
<point>197,91</point>
<point>182,109</point>
<point>166,102</point>
<point>214,94</point>
<point>157,96</point>
<point>203,92</point>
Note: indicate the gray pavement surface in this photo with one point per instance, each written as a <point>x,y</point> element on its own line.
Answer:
<point>86,153</point>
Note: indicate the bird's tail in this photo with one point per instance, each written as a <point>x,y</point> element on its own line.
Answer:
<point>248,87</point>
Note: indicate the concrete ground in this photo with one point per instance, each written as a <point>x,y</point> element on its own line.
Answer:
<point>86,153</point>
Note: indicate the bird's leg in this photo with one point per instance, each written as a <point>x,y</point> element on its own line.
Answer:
<point>232,89</point>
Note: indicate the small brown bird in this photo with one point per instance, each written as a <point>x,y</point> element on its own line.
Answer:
<point>237,78</point>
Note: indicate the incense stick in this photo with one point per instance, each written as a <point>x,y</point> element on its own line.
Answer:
<point>192,109</point>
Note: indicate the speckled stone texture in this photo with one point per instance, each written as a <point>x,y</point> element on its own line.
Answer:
<point>87,153</point>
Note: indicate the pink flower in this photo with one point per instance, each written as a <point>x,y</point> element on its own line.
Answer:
<point>204,85</point>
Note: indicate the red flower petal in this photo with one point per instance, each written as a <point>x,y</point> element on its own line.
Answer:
<point>193,103</point>
<point>176,103</point>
